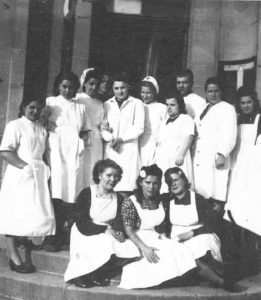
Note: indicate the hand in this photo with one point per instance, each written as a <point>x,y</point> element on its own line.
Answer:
<point>150,254</point>
<point>119,236</point>
<point>220,161</point>
<point>85,136</point>
<point>27,171</point>
<point>116,143</point>
<point>185,236</point>
<point>179,160</point>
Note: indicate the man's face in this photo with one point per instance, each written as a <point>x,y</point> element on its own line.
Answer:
<point>184,85</point>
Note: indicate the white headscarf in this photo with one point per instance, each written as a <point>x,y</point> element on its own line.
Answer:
<point>84,74</point>
<point>153,81</point>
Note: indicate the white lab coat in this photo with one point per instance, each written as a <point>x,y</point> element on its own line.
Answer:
<point>155,113</point>
<point>194,104</point>
<point>94,150</point>
<point>67,119</point>
<point>216,133</point>
<point>127,123</point>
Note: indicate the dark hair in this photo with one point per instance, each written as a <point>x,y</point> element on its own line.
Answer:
<point>70,76</point>
<point>96,74</point>
<point>101,166</point>
<point>244,91</point>
<point>26,102</point>
<point>177,171</point>
<point>186,73</point>
<point>151,86</point>
<point>122,76</point>
<point>180,100</point>
<point>152,170</point>
<point>212,80</point>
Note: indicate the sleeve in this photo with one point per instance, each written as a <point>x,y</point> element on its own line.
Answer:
<point>87,126</point>
<point>83,220</point>
<point>11,138</point>
<point>188,126</point>
<point>227,131</point>
<point>117,223</point>
<point>129,214</point>
<point>137,127</point>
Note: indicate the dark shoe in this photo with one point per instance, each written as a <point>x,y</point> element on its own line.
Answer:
<point>101,281</point>
<point>83,283</point>
<point>50,244</point>
<point>28,244</point>
<point>23,268</point>
<point>234,288</point>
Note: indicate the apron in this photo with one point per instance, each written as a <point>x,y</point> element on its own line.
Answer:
<point>244,199</point>
<point>184,218</point>
<point>88,253</point>
<point>174,261</point>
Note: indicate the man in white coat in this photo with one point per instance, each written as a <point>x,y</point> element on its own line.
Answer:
<point>125,116</point>
<point>215,140</point>
<point>194,103</point>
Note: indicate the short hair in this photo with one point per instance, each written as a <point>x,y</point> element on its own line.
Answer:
<point>244,91</point>
<point>96,74</point>
<point>152,170</point>
<point>213,80</point>
<point>185,73</point>
<point>70,76</point>
<point>26,102</point>
<point>122,76</point>
<point>151,86</point>
<point>102,165</point>
<point>179,172</point>
<point>180,100</point>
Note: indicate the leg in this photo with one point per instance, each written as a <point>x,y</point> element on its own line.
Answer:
<point>207,273</point>
<point>12,248</point>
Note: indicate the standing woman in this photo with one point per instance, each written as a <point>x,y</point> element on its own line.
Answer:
<point>243,200</point>
<point>215,140</point>
<point>104,89</point>
<point>93,152</point>
<point>175,137</point>
<point>125,116</point>
<point>155,112</point>
<point>68,127</point>
<point>160,259</point>
<point>25,205</point>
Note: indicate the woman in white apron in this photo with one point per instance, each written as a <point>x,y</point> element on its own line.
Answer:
<point>216,137</point>
<point>244,199</point>
<point>93,152</point>
<point>25,204</point>
<point>125,116</point>
<point>160,259</point>
<point>97,226</point>
<point>155,113</point>
<point>175,137</point>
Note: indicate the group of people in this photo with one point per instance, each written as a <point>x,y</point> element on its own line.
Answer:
<point>99,159</point>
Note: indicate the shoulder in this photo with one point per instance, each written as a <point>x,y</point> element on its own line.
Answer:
<point>185,118</point>
<point>51,100</point>
<point>14,126</point>
<point>223,105</point>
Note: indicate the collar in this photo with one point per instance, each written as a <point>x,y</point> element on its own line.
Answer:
<point>172,119</point>
<point>247,119</point>
<point>186,200</point>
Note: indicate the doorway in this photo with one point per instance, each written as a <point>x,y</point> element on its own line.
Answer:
<point>138,44</point>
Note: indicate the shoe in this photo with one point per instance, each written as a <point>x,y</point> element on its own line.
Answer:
<point>26,269</point>
<point>101,281</point>
<point>234,288</point>
<point>83,283</point>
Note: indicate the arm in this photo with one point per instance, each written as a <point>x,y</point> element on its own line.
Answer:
<point>183,150</point>
<point>13,159</point>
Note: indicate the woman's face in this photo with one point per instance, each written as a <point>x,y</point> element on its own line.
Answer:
<point>66,89</point>
<point>146,94</point>
<point>32,111</point>
<point>177,185</point>
<point>109,178</point>
<point>172,107</point>
<point>150,186</point>
<point>105,84</point>
<point>121,90</point>
<point>246,105</point>
<point>90,86</point>
<point>213,94</point>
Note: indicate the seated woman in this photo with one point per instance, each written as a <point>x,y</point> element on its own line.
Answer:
<point>192,221</point>
<point>96,227</point>
<point>160,259</point>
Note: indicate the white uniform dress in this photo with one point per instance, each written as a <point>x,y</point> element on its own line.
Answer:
<point>175,259</point>
<point>25,204</point>
<point>216,133</point>
<point>194,104</point>
<point>68,118</point>
<point>184,218</point>
<point>127,122</point>
<point>88,253</point>
<point>244,200</point>
<point>155,113</point>
<point>170,140</point>
<point>93,151</point>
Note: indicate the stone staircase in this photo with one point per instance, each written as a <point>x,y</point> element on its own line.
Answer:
<point>47,284</point>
